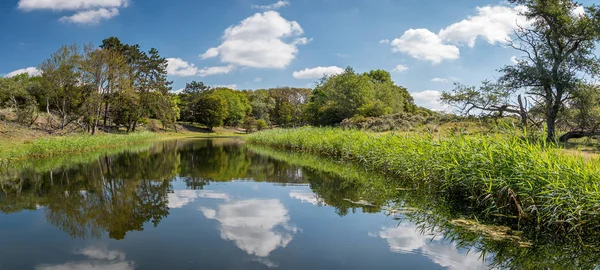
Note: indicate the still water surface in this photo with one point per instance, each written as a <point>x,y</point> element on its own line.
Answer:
<point>204,204</point>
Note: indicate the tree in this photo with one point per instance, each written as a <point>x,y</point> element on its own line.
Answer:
<point>489,99</point>
<point>106,72</point>
<point>582,116</point>
<point>238,105</point>
<point>61,73</point>
<point>262,103</point>
<point>211,110</point>
<point>350,94</point>
<point>559,48</point>
<point>14,94</point>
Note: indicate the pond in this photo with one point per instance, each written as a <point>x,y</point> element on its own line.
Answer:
<point>218,204</point>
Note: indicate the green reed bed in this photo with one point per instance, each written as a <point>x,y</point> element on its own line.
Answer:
<point>500,175</point>
<point>54,146</point>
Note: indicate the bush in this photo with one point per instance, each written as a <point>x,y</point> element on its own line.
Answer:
<point>261,124</point>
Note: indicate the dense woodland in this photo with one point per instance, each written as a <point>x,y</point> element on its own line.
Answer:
<point>118,86</point>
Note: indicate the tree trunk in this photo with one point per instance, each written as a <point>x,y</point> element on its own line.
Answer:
<point>577,135</point>
<point>105,115</point>
<point>133,126</point>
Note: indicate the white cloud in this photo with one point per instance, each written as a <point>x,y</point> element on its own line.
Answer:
<point>306,197</point>
<point>407,239</point>
<point>181,198</point>
<point>493,23</point>
<point>207,71</point>
<point>578,11</point>
<point>70,4</point>
<point>400,68</point>
<point>30,70</point>
<point>181,68</point>
<point>429,99</point>
<point>98,259</point>
<point>317,72</point>
<point>384,41</point>
<point>252,225</point>
<point>514,60</point>
<point>301,41</point>
<point>439,80</point>
<point>210,53</point>
<point>91,16</point>
<point>230,86</point>
<point>258,79</point>
<point>259,41</point>
<point>87,11</point>
<point>210,194</point>
<point>425,45</point>
<point>178,91</point>
<point>277,5</point>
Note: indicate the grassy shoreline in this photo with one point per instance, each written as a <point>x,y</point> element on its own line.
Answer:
<point>535,184</point>
<point>51,146</point>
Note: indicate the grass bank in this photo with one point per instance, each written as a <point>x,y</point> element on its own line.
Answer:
<point>532,184</point>
<point>54,146</point>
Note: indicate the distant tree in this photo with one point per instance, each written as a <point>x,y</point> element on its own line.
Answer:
<point>249,124</point>
<point>261,124</point>
<point>61,73</point>
<point>350,94</point>
<point>211,110</point>
<point>14,95</point>
<point>489,99</point>
<point>238,105</point>
<point>262,103</point>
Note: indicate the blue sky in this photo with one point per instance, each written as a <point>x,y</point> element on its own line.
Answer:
<point>250,44</point>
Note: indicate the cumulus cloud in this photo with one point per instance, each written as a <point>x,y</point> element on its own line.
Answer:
<point>439,80</point>
<point>317,72</point>
<point>230,86</point>
<point>306,197</point>
<point>181,68</point>
<point>578,11</point>
<point>276,5</point>
<point>384,41</point>
<point>87,11</point>
<point>407,239</point>
<point>259,41</point>
<point>253,225</point>
<point>493,23</point>
<point>91,16</point>
<point>30,70</point>
<point>425,45</point>
<point>429,99</point>
<point>181,198</point>
<point>98,258</point>
<point>70,4</point>
<point>400,68</point>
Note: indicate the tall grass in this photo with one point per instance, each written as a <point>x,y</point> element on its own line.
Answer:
<point>54,146</point>
<point>499,175</point>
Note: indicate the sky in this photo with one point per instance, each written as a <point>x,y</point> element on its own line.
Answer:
<point>426,45</point>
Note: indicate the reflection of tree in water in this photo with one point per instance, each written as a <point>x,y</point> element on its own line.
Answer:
<point>114,194</point>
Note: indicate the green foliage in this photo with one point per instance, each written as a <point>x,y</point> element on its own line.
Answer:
<point>261,124</point>
<point>559,49</point>
<point>349,94</point>
<point>211,110</point>
<point>499,175</point>
<point>237,105</point>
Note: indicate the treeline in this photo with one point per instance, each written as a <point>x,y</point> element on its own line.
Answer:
<point>119,86</point>
<point>336,98</point>
<point>114,85</point>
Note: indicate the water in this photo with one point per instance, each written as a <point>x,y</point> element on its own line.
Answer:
<point>212,204</point>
